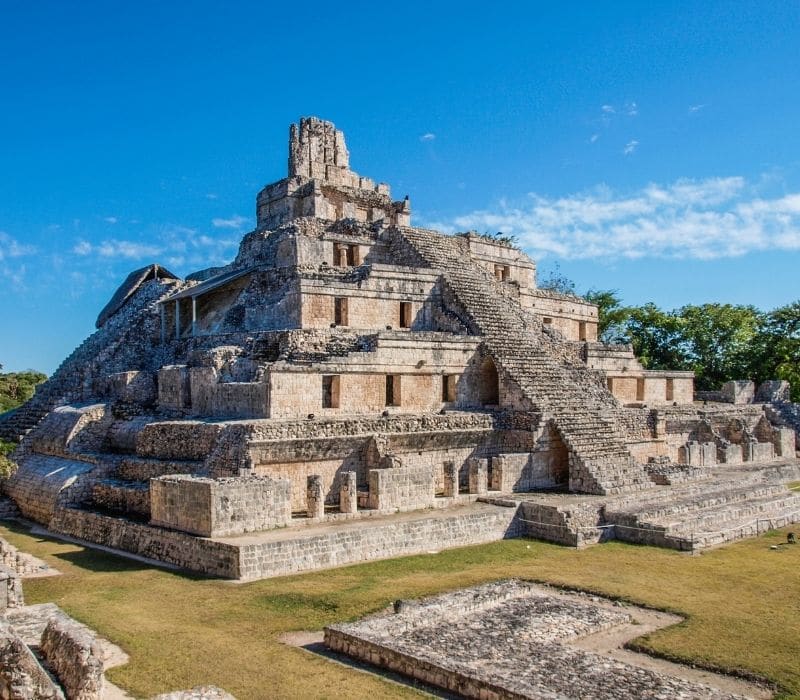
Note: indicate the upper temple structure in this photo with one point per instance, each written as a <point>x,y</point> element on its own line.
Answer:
<point>278,413</point>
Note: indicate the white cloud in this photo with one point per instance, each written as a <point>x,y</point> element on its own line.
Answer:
<point>235,222</point>
<point>631,109</point>
<point>12,248</point>
<point>212,195</point>
<point>593,138</point>
<point>110,219</point>
<point>427,137</point>
<point>700,219</point>
<point>694,109</point>
<point>116,249</point>
<point>608,109</point>
<point>630,147</point>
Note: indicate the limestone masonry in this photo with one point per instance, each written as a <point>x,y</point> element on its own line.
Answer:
<point>351,387</point>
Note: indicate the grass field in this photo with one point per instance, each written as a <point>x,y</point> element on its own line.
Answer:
<point>741,602</point>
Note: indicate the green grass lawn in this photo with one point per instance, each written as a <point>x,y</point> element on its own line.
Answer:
<point>742,604</point>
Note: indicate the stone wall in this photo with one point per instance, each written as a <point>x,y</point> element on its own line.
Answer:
<point>191,440</point>
<point>178,548</point>
<point>74,654</point>
<point>21,674</point>
<point>219,507</point>
<point>355,543</point>
<point>401,488</point>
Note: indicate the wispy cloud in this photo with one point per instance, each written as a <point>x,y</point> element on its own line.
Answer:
<point>701,219</point>
<point>12,248</point>
<point>234,222</point>
<point>593,138</point>
<point>212,195</point>
<point>12,255</point>
<point>110,219</point>
<point>428,137</point>
<point>630,147</point>
<point>608,109</point>
<point>116,249</point>
<point>694,109</point>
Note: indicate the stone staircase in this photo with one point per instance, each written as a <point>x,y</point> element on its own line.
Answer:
<point>703,516</point>
<point>545,369</point>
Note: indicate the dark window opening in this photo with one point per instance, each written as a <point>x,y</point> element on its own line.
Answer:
<point>405,314</point>
<point>489,386</point>
<point>449,387</point>
<point>330,391</point>
<point>392,389</point>
<point>340,311</point>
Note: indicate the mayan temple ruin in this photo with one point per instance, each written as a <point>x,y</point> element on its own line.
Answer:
<point>351,387</point>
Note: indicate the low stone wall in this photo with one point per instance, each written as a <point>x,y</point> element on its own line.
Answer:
<point>380,540</point>
<point>219,507</point>
<point>21,674</point>
<point>180,549</point>
<point>75,657</point>
<point>10,589</point>
<point>401,488</point>
<point>21,563</point>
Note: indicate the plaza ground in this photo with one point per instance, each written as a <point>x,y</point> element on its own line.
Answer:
<point>741,603</point>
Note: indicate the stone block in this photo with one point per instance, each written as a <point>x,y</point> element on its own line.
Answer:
<point>758,451</point>
<point>784,442</point>
<point>315,497</point>
<point>76,657</point>
<point>173,387</point>
<point>450,479</point>
<point>21,674</point>
<point>348,494</point>
<point>219,507</point>
<point>730,454</point>
<point>773,390</point>
<point>739,392</point>
<point>478,476</point>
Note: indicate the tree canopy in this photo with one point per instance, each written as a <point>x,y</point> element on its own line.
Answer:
<point>718,342</point>
<point>17,387</point>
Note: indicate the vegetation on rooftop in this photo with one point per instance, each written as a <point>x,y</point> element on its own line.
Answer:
<point>505,239</point>
<point>740,604</point>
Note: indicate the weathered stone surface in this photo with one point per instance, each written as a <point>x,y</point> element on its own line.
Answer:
<point>507,640</point>
<point>345,364</point>
<point>21,675</point>
<point>76,658</point>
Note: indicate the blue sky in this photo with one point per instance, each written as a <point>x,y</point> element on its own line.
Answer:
<point>651,148</point>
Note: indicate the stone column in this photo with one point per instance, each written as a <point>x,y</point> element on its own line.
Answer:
<point>194,316</point>
<point>163,323</point>
<point>315,497</point>
<point>450,479</point>
<point>177,319</point>
<point>478,476</point>
<point>498,469</point>
<point>348,496</point>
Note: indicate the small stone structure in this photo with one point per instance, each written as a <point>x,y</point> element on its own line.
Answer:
<point>348,366</point>
<point>510,639</point>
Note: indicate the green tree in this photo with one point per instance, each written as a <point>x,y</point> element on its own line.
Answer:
<point>17,387</point>
<point>719,341</point>
<point>776,347</point>
<point>657,337</point>
<point>611,315</point>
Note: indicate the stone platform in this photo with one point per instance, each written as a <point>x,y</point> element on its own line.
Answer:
<point>513,639</point>
<point>296,549</point>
